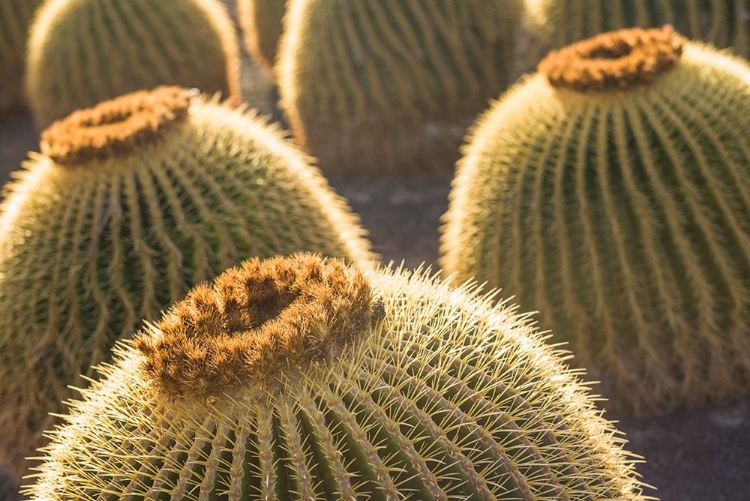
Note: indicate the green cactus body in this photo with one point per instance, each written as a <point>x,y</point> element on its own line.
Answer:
<point>723,23</point>
<point>620,212</point>
<point>119,219</point>
<point>15,18</point>
<point>261,22</point>
<point>391,85</point>
<point>338,384</point>
<point>82,52</point>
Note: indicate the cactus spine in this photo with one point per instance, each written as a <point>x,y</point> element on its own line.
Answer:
<point>261,22</point>
<point>723,23</point>
<point>391,85</point>
<point>129,205</point>
<point>298,378</point>
<point>82,52</point>
<point>15,18</point>
<point>610,192</point>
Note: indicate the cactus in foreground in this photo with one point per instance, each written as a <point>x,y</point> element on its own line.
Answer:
<point>611,192</point>
<point>82,52</point>
<point>261,22</point>
<point>129,205</point>
<point>391,85</point>
<point>723,23</point>
<point>303,378</point>
<point>15,18</point>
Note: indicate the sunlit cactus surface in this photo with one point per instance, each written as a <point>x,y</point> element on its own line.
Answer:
<point>261,22</point>
<point>611,193</point>
<point>15,18</point>
<point>299,378</point>
<point>82,52</point>
<point>129,205</point>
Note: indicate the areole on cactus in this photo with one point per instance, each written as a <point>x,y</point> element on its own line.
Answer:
<point>610,192</point>
<point>305,378</point>
<point>129,205</point>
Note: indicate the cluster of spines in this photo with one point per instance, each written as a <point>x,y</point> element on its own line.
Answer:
<point>448,397</point>
<point>723,23</point>
<point>621,220</point>
<point>115,47</point>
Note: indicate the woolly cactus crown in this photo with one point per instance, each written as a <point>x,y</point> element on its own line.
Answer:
<point>301,378</point>
<point>723,23</point>
<point>610,192</point>
<point>391,86</point>
<point>82,52</point>
<point>130,204</point>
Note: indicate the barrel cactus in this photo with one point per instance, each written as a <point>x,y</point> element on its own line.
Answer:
<point>15,18</point>
<point>261,22</point>
<point>386,86</point>
<point>128,205</point>
<point>82,52</point>
<point>303,378</point>
<point>611,193</point>
<point>723,23</point>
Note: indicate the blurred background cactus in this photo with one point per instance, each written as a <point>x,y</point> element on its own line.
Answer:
<point>82,52</point>
<point>610,192</point>
<point>723,23</point>
<point>15,18</point>
<point>261,22</point>
<point>129,205</point>
<point>390,86</point>
<point>300,378</point>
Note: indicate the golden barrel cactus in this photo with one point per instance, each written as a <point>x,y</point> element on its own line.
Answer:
<point>723,23</point>
<point>304,378</point>
<point>82,52</point>
<point>391,86</point>
<point>15,18</point>
<point>261,22</point>
<point>611,193</point>
<point>129,205</point>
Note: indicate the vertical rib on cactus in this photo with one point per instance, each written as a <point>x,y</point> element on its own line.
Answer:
<point>261,22</point>
<point>82,52</point>
<point>723,23</point>
<point>129,205</point>
<point>15,18</point>
<point>610,192</point>
<point>391,85</point>
<point>303,378</point>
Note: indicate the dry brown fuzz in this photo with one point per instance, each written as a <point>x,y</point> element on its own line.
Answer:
<point>116,127</point>
<point>613,61</point>
<point>256,322</point>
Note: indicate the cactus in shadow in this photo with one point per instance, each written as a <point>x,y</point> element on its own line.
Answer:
<point>82,52</point>
<point>391,85</point>
<point>129,205</point>
<point>15,18</point>
<point>610,192</point>
<point>303,378</point>
<point>723,23</point>
<point>261,22</point>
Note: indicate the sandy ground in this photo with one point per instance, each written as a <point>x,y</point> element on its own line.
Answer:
<point>691,456</point>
